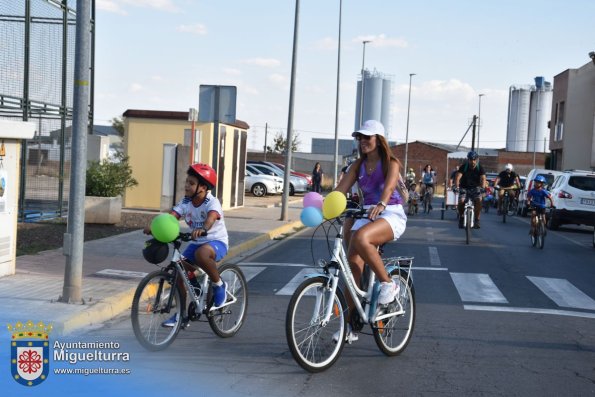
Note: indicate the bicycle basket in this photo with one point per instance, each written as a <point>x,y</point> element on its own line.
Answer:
<point>155,251</point>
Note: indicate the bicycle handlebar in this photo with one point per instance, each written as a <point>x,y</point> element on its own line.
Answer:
<point>188,236</point>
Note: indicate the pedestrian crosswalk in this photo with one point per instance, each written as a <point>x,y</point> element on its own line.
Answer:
<point>475,291</point>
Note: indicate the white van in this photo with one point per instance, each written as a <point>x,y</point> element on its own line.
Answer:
<point>549,176</point>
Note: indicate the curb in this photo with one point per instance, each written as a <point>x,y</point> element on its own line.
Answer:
<point>107,309</point>
<point>117,304</point>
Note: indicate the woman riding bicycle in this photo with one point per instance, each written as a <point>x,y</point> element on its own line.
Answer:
<point>203,213</point>
<point>377,173</point>
<point>428,180</point>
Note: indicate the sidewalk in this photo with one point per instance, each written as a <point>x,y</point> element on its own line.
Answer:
<point>113,266</point>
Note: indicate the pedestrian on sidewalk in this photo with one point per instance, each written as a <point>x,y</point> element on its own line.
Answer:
<point>203,214</point>
<point>317,178</point>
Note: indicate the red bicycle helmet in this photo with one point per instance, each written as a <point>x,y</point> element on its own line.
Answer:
<point>205,173</point>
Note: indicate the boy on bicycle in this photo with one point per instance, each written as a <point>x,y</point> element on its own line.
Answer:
<point>536,200</point>
<point>203,213</point>
<point>413,199</point>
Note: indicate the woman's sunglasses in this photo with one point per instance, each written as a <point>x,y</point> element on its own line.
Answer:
<point>359,137</point>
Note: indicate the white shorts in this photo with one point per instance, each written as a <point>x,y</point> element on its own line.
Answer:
<point>393,214</point>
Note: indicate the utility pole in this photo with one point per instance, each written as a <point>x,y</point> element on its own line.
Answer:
<point>75,229</point>
<point>266,131</point>
<point>287,174</point>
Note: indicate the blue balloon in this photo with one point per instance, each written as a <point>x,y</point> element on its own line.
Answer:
<point>311,216</point>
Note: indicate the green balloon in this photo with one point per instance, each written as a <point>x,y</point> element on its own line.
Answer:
<point>165,228</point>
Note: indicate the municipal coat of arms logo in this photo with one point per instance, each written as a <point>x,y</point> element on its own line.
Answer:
<point>29,352</point>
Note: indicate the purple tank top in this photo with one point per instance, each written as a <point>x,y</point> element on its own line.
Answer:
<point>373,185</point>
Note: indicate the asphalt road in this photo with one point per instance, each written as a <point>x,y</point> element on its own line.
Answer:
<point>496,317</point>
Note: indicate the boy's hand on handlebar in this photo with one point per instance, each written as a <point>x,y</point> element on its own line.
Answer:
<point>196,233</point>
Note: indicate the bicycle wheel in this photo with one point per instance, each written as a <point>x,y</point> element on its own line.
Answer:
<point>468,226</point>
<point>427,203</point>
<point>512,207</point>
<point>149,310</point>
<point>504,208</point>
<point>228,320</point>
<point>311,343</point>
<point>534,238</point>
<point>393,334</point>
<point>540,235</point>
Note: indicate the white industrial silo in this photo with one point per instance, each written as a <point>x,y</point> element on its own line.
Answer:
<point>377,99</point>
<point>385,111</point>
<point>518,118</point>
<point>539,115</point>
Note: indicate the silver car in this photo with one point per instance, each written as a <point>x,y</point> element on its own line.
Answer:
<point>296,184</point>
<point>261,185</point>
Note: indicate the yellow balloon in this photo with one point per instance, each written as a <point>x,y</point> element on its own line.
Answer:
<point>333,205</point>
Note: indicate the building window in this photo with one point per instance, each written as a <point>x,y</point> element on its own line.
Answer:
<point>559,134</point>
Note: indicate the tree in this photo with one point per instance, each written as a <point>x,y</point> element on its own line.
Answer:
<point>118,125</point>
<point>280,143</point>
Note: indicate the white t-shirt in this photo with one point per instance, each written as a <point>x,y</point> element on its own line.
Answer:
<point>195,218</point>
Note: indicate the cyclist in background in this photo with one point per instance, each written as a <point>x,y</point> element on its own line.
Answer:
<point>536,200</point>
<point>203,213</point>
<point>428,180</point>
<point>470,175</point>
<point>410,177</point>
<point>507,179</point>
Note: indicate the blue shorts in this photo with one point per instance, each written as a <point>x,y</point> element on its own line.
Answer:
<point>218,246</point>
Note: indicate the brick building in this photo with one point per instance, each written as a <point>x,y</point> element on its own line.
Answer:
<point>421,153</point>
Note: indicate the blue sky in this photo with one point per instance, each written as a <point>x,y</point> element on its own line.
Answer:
<point>154,54</point>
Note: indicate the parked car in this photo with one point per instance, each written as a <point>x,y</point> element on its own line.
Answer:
<point>549,176</point>
<point>282,168</point>
<point>296,173</point>
<point>573,194</point>
<point>296,184</point>
<point>261,185</point>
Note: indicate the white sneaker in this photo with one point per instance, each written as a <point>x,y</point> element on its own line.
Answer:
<point>388,292</point>
<point>350,336</point>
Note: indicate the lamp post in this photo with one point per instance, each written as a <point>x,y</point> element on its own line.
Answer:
<point>479,120</point>
<point>337,100</point>
<point>287,174</point>
<point>407,130</point>
<point>361,102</point>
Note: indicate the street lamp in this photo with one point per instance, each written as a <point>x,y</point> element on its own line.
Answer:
<point>407,130</point>
<point>337,100</point>
<point>479,120</point>
<point>287,174</point>
<point>361,102</point>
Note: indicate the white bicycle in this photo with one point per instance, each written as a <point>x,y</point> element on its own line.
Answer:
<point>317,313</point>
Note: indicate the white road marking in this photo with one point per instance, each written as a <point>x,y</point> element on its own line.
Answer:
<point>252,271</point>
<point>434,258</point>
<point>563,293</point>
<point>430,236</point>
<point>273,264</point>
<point>477,287</point>
<point>529,310</point>
<point>290,287</point>
<point>121,273</point>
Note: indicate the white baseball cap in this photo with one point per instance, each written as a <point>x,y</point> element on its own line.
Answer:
<point>508,166</point>
<point>369,128</point>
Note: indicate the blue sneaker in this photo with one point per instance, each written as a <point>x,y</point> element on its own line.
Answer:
<point>219,294</point>
<point>170,322</point>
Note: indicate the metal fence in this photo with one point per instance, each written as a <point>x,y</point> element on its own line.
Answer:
<point>37,47</point>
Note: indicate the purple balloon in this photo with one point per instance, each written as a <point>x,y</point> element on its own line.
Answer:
<point>313,199</point>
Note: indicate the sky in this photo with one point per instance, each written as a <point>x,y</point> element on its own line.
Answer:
<point>155,54</point>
